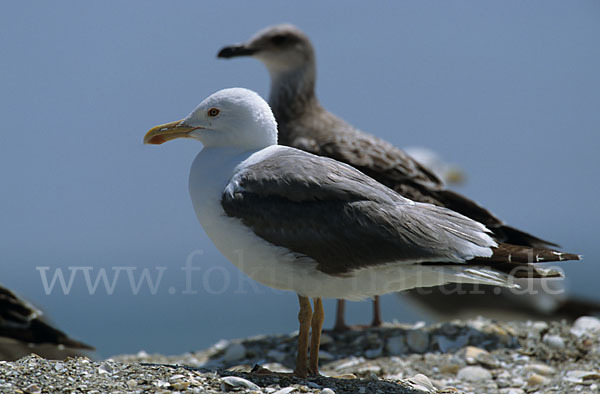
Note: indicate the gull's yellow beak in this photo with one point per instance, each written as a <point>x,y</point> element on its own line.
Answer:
<point>167,132</point>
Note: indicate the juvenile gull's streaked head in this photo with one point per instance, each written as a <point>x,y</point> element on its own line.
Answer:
<point>282,48</point>
<point>229,117</point>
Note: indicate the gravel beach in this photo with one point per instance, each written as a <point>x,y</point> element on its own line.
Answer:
<point>473,356</point>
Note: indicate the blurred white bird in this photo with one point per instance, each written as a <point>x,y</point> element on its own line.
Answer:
<point>450,173</point>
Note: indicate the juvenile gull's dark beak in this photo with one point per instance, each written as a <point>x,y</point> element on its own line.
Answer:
<point>236,50</point>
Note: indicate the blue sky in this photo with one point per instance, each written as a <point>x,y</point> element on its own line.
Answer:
<point>509,90</point>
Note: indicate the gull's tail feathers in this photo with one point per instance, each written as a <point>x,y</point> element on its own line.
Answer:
<point>514,261</point>
<point>522,254</point>
<point>518,261</point>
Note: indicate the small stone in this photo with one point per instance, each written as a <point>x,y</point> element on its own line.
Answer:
<point>277,368</point>
<point>417,341</point>
<point>471,353</point>
<point>578,376</point>
<point>374,341</point>
<point>585,325</point>
<point>313,385</point>
<point>180,385</point>
<point>537,380</point>
<point>517,382</point>
<point>504,375</point>
<point>519,358</point>
<point>234,381</point>
<point>474,355</point>
<point>554,341</point>
<point>449,345</point>
<point>161,383</point>
<point>395,376</point>
<point>502,383</point>
<point>358,341</point>
<point>449,329</point>
<point>541,369</point>
<point>327,391</point>
<point>345,376</point>
<point>131,383</point>
<point>512,390</point>
<point>505,335</point>
<point>277,355</point>
<point>474,374</point>
<point>369,369</point>
<point>449,368</point>
<point>374,353</point>
<point>234,352</point>
<point>326,339</point>
<point>285,390</point>
<point>105,368</point>
<point>32,389</point>
<point>539,326</point>
<point>396,346</point>
<point>325,356</point>
<point>350,363</point>
<point>422,383</point>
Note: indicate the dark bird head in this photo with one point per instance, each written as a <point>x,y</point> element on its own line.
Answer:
<point>281,48</point>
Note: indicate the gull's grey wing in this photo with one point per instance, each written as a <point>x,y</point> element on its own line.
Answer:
<point>344,220</point>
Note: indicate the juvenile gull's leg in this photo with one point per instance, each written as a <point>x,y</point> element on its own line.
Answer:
<point>376,313</point>
<point>340,324</point>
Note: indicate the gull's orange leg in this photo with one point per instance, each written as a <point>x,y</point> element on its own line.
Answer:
<point>315,339</point>
<point>304,317</point>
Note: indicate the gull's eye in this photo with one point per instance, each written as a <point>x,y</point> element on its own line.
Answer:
<point>213,112</point>
<point>279,39</point>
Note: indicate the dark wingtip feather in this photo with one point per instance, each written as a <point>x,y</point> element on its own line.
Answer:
<point>517,254</point>
<point>502,232</point>
<point>515,236</point>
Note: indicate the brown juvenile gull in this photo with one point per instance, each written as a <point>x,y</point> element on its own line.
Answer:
<point>304,124</point>
<point>296,221</point>
<point>536,300</point>
<point>23,331</point>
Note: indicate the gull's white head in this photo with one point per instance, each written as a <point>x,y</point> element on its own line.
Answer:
<point>282,48</point>
<point>229,117</point>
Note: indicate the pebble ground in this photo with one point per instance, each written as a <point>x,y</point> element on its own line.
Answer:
<point>474,356</point>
